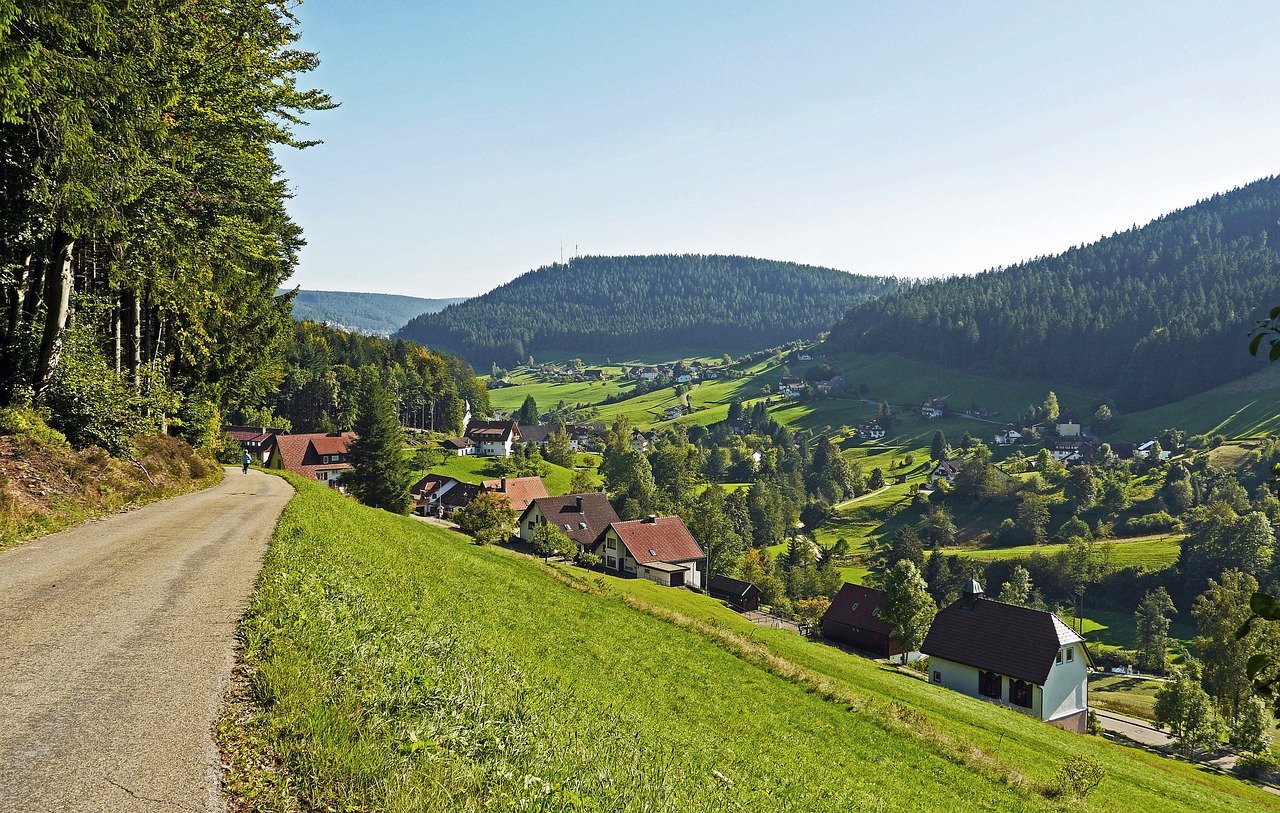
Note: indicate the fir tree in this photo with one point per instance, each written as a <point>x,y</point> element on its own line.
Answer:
<point>379,474</point>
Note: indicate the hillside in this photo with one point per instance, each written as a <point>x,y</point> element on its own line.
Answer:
<point>1150,315</point>
<point>381,314</point>
<point>392,665</point>
<point>629,305</point>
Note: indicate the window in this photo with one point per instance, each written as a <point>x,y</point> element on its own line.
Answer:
<point>532,525</point>
<point>1059,656</point>
<point>937,677</point>
<point>990,685</point>
<point>1020,694</point>
<point>1071,651</point>
<point>609,561</point>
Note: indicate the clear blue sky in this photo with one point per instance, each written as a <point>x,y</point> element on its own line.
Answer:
<point>473,139</point>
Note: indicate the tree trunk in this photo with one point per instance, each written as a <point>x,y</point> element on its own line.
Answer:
<point>131,304</point>
<point>17,295</point>
<point>57,297</point>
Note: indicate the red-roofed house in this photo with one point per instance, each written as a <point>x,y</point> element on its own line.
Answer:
<point>519,491</point>
<point>428,491</point>
<point>258,441</point>
<point>582,517</point>
<point>660,549</point>
<point>317,455</point>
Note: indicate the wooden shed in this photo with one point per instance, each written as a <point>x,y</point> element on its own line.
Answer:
<point>742,596</point>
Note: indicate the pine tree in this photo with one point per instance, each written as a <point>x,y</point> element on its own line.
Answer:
<point>938,448</point>
<point>379,474</point>
<point>528,413</point>
<point>1152,622</point>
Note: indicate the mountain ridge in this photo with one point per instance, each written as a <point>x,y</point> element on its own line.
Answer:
<point>364,312</point>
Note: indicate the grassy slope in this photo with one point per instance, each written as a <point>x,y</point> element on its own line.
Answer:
<point>401,668</point>
<point>473,469</point>
<point>1147,552</point>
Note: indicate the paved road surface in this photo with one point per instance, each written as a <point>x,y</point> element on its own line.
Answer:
<point>1133,728</point>
<point>116,640</point>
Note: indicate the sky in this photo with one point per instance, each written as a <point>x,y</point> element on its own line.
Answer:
<point>477,141</point>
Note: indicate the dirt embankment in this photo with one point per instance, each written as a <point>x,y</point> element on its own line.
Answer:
<point>45,485</point>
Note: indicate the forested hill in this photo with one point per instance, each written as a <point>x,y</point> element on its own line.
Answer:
<point>378,314</point>
<point>1151,315</point>
<point>624,305</point>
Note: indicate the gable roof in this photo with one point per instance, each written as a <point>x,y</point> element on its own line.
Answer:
<point>728,586</point>
<point>242,433</point>
<point>658,539</point>
<point>458,443</point>
<point>538,433</point>
<point>301,453</point>
<point>519,491</point>
<point>492,431</point>
<point>597,514</point>
<point>424,488</point>
<point>1018,642</point>
<point>856,606</point>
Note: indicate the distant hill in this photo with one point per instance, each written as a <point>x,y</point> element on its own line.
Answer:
<point>381,314</point>
<point>644,304</point>
<point>1151,315</point>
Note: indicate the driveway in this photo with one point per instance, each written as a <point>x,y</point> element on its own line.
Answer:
<point>116,641</point>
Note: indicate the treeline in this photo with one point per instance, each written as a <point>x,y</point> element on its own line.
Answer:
<point>143,232</point>
<point>325,370</point>
<point>1153,314</point>
<point>626,305</point>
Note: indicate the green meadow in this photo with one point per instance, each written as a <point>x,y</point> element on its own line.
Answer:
<point>395,666</point>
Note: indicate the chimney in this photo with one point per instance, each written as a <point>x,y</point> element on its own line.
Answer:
<point>504,485</point>
<point>579,503</point>
<point>651,518</point>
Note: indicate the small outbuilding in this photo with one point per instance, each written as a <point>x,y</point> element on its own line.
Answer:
<point>742,596</point>
<point>852,619</point>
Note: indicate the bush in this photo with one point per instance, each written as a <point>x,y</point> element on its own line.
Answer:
<point>1093,726</point>
<point>588,559</point>
<point>1076,778</point>
<point>1263,766</point>
<point>1157,522</point>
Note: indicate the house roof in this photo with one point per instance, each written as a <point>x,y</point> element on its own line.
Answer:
<point>728,586</point>
<point>856,606</point>
<point>424,488</point>
<point>301,454</point>
<point>460,495</point>
<point>658,539</point>
<point>492,431</point>
<point>519,491</point>
<point>597,513</point>
<point>458,443</point>
<point>1018,642</point>
<point>951,467</point>
<point>537,433</point>
<point>242,433</point>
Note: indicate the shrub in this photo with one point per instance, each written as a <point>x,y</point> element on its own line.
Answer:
<point>1157,522</point>
<point>588,559</point>
<point>1076,778</point>
<point>1258,766</point>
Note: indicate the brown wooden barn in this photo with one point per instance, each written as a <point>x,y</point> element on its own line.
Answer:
<point>742,596</point>
<point>851,619</point>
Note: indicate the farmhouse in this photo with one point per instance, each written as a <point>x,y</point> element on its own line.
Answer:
<point>945,470</point>
<point>258,441</point>
<point>318,455</point>
<point>684,378</point>
<point>493,438</point>
<point>428,491</point>
<point>537,434</point>
<point>1018,657</point>
<point>593,374</point>
<point>459,446</point>
<point>1067,426</point>
<point>648,374</point>
<point>742,596</point>
<point>853,619</point>
<point>871,431</point>
<point>934,408</point>
<point>583,517</point>
<point>1008,437</point>
<point>1069,451</point>
<point>519,491</point>
<point>791,387</point>
<point>660,549</point>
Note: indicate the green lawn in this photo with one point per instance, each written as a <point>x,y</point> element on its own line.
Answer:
<point>395,666</point>
<point>473,469</point>
<point>1235,412</point>
<point>1147,552</point>
<point>1124,694</point>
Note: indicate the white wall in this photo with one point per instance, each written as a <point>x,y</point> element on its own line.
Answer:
<point>964,679</point>
<point>1066,690</point>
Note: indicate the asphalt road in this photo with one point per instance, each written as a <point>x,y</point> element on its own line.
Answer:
<point>116,641</point>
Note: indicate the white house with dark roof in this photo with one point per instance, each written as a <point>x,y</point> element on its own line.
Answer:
<point>660,549</point>
<point>1018,657</point>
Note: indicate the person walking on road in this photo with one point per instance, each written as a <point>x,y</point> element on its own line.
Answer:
<point>245,462</point>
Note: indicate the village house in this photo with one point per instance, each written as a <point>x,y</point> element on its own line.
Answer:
<point>258,441</point>
<point>871,431</point>
<point>593,374</point>
<point>582,517</point>
<point>791,388</point>
<point>684,378</point>
<point>318,455</point>
<point>1070,451</point>
<point>852,619</point>
<point>933,408</point>
<point>537,434</point>
<point>1008,437</point>
<point>1067,427</point>
<point>427,493</point>
<point>660,549</point>
<point>709,375</point>
<point>674,412</point>
<point>648,374</point>
<point>461,447</point>
<point>1025,659</point>
<point>457,498</point>
<point>493,438</point>
<point>804,357</point>
<point>641,441</point>
<point>519,491</point>
<point>741,596</point>
<point>945,470</point>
